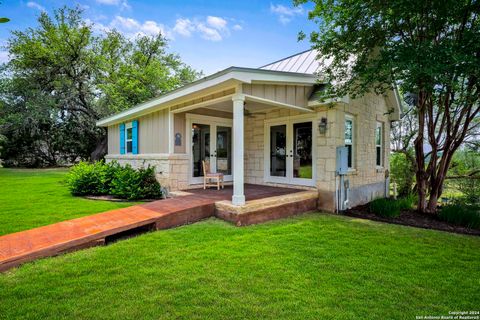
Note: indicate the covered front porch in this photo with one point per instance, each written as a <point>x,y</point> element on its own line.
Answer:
<point>252,134</point>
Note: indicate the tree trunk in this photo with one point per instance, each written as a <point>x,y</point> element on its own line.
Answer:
<point>421,174</point>
<point>100,150</point>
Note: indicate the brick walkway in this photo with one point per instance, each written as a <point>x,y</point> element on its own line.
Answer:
<point>54,239</point>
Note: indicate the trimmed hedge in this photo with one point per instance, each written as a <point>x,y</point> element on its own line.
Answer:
<point>112,179</point>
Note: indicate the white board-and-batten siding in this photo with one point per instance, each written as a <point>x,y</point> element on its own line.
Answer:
<point>152,134</point>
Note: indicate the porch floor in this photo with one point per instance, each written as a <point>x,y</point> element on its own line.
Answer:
<point>97,229</point>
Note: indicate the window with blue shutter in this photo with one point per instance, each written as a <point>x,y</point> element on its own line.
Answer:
<point>122,138</point>
<point>135,136</point>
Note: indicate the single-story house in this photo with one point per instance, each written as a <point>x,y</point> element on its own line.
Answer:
<point>262,126</point>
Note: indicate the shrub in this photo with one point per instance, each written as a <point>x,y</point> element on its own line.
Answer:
<point>108,174</point>
<point>402,173</point>
<point>385,207</point>
<point>463,215</point>
<point>131,184</point>
<point>112,179</point>
<point>86,179</point>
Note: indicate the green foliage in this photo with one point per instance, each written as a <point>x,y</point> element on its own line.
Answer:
<point>89,179</point>
<point>385,207</point>
<point>407,202</point>
<point>466,168</point>
<point>62,78</point>
<point>402,173</point>
<point>133,184</point>
<point>390,208</point>
<point>461,214</point>
<point>470,189</point>
<point>144,70</point>
<point>112,179</point>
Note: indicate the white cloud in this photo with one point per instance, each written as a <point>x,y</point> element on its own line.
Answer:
<point>184,27</point>
<point>286,14</point>
<point>217,22</point>
<point>109,2</point>
<point>123,4</point>
<point>131,27</point>
<point>209,33</point>
<point>124,23</point>
<point>34,5</point>
<point>211,28</point>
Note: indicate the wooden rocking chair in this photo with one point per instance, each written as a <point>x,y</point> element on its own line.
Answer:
<point>211,179</point>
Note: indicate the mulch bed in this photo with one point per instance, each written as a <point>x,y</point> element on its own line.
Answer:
<point>413,219</point>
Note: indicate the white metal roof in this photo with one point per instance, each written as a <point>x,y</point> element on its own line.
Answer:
<point>303,62</point>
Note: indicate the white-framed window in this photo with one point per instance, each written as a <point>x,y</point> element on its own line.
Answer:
<point>350,139</point>
<point>128,137</point>
<point>379,144</point>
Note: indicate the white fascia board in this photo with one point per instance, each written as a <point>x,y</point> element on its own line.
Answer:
<point>242,75</point>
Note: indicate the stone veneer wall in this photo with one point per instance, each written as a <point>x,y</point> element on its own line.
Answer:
<point>171,170</point>
<point>366,112</point>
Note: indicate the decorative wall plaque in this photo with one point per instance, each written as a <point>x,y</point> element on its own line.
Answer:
<point>178,139</point>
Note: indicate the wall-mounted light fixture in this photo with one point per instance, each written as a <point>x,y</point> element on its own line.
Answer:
<point>322,126</point>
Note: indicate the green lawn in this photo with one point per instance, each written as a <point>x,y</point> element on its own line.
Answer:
<point>312,266</point>
<point>309,267</point>
<point>34,198</point>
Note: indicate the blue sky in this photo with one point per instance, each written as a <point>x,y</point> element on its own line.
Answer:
<point>208,35</point>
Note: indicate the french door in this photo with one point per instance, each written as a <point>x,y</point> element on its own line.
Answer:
<point>210,142</point>
<point>289,152</point>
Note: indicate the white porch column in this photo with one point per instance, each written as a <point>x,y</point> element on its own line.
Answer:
<point>238,197</point>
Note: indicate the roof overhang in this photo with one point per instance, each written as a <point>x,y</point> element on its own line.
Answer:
<point>229,77</point>
<point>394,103</point>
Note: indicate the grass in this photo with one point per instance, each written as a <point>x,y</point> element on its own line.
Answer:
<point>34,198</point>
<point>313,266</point>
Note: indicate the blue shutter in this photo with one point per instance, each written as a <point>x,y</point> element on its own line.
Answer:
<point>135,136</point>
<point>122,138</point>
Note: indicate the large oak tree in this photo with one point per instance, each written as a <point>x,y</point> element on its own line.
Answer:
<point>62,77</point>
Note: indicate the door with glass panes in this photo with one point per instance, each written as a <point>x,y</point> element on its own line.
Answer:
<point>211,142</point>
<point>289,152</point>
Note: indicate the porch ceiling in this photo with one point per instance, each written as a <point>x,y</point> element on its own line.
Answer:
<point>253,104</point>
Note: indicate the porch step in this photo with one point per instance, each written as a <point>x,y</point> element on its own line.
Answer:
<point>261,210</point>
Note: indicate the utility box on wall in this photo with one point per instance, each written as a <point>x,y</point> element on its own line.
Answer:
<point>342,160</point>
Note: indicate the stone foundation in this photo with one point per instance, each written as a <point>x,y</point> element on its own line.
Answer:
<point>358,196</point>
<point>171,170</point>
